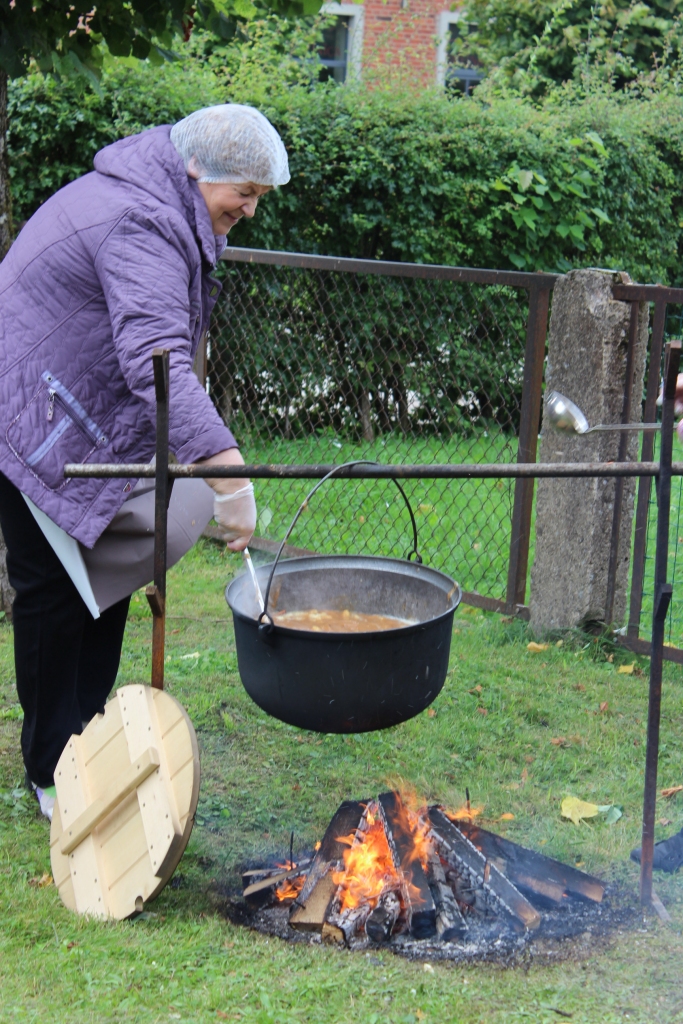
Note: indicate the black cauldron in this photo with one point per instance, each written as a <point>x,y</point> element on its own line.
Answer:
<point>345,682</point>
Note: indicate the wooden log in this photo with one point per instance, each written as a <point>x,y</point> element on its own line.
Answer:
<point>450,924</point>
<point>381,921</point>
<point>310,907</point>
<point>343,926</point>
<point>271,881</point>
<point>544,876</point>
<point>420,907</point>
<point>498,892</point>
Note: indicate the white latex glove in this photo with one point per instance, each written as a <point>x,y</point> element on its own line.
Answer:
<point>236,513</point>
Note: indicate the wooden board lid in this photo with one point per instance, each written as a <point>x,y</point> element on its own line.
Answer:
<point>127,791</point>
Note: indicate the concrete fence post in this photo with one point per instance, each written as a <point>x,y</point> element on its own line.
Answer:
<point>587,357</point>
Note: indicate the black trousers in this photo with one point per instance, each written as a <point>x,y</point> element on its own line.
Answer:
<point>65,661</point>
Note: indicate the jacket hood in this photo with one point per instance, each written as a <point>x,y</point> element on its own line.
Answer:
<point>151,162</point>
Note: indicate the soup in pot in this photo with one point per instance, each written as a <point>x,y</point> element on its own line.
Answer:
<point>334,621</point>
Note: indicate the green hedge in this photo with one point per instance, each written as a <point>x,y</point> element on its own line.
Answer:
<point>423,178</point>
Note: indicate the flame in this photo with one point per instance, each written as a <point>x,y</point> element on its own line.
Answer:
<point>290,888</point>
<point>412,813</point>
<point>368,867</point>
<point>465,813</point>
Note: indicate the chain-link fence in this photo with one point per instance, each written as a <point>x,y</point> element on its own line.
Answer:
<point>324,361</point>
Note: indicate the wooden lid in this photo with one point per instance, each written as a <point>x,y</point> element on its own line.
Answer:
<point>127,791</point>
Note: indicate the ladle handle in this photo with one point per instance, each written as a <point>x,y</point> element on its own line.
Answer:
<point>264,619</point>
<point>624,426</point>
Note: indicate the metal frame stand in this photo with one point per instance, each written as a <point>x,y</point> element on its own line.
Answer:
<point>662,599</point>
<point>165,473</point>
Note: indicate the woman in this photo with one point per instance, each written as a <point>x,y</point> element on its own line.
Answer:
<point>112,266</point>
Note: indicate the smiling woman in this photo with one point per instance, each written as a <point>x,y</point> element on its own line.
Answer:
<point>110,267</point>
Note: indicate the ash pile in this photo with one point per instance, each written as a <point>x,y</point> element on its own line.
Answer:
<point>419,880</point>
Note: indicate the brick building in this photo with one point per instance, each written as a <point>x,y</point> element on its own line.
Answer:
<point>413,36</point>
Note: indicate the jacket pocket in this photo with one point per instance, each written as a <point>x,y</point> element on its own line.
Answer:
<point>51,430</point>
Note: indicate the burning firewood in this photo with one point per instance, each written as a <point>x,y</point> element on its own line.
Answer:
<point>311,905</point>
<point>367,873</point>
<point>497,891</point>
<point>409,847</point>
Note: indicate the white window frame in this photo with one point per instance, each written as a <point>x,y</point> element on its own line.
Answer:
<point>356,15</point>
<point>446,19</point>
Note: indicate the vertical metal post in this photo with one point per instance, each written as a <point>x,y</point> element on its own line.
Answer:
<point>613,564</point>
<point>645,483</point>
<point>156,592</point>
<point>530,417</point>
<point>662,599</point>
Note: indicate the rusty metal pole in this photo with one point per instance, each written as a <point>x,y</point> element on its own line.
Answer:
<point>156,592</point>
<point>662,599</point>
<point>624,441</point>
<point>644,484</point>
<point>530,418</point>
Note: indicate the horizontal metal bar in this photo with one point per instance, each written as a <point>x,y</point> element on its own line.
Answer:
<point>492,604</point>
<point>428,471</point>
<point>639,646</point>
<point>647,293</point>
<point>385,268</point>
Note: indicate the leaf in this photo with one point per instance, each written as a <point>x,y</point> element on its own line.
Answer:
<point>671,791</point>
<point>559,741</point>
<point>482,711</point>
<point>604,706</point>
<point>577,810</point>
<point>626,670</point>
<point>524,179</point>
<point>535,648</point>
<point>476,689</point>
<point>613,814</point>
<point>432,713</point>
<point>42,882</point>
<point>507,816</point>
<point>600,214</point>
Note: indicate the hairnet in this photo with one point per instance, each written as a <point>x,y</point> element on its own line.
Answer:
<point>231,143</point>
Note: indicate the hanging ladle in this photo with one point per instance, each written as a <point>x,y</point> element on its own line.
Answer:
<point>564,415</point>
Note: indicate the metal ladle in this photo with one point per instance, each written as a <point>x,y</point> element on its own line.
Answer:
<point>564,415</point>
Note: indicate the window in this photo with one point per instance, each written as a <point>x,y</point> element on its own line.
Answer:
<point>342,46</point>
<point>334,53</point>
<point>449,74</point>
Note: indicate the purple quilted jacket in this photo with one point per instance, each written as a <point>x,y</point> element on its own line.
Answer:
<point>113,265</point>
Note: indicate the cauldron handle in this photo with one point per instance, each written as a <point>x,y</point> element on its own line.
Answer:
<point>264,620</point>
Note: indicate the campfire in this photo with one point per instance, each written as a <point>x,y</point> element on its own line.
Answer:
<point>390,871</point>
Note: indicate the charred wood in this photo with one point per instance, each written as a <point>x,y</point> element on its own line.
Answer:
<point>541,875</point>
<point>381,922</point>
<point>450,924</point>
<point>498,892</point>
<point>417,895</point>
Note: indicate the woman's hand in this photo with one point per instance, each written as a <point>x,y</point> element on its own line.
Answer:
<point>234,507</point>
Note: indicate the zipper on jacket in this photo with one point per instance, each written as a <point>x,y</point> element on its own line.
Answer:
<point>57,392</point>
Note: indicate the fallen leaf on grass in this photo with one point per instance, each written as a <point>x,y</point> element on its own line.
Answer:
<point>580,687</point>
<point>559,643</point>
<point>507,816</point>
<point>476,689</point>
<point>184,657</point>
<point>482,711</point>
<point>665,821</point>
<point>604,706</point>
<point>626,670</point>
<point>576,810</point>
<point>525,776</point>
<point>223,1016</point>
<point>42,882</point>
<point>559,741</point>
<point>432,713</point>
<point>671,791</point>
<point>536,648</point>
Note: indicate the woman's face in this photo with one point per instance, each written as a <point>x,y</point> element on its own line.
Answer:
<point>228,203</point>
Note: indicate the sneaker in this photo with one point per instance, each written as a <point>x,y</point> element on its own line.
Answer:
<point>668,854</point>
<point>45,796</point>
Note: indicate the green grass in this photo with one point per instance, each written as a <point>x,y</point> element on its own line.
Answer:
<point>261,779</point>
<point>464,525</point>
